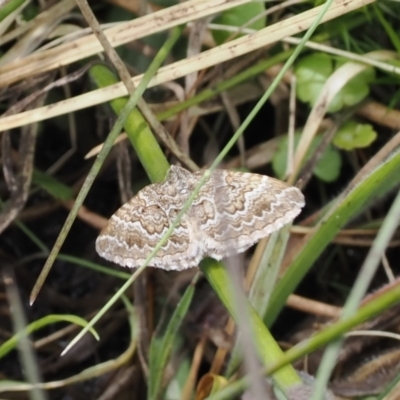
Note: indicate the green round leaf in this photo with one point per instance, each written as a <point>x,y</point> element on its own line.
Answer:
<point>328,167</point>
<point>312,73</point>
<point>353,135</point>
<point>239,16</point>
<point>356,90</point>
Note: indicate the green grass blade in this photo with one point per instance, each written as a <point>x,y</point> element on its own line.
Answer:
<point>10,7</point>
<point>95,371</point>
<point>11,343</point>
<point>51,185</point>
<point>263,282</point>
<point>373,308</point>
<point>359,290</point>
<point>140,135</point>
<point>268,270</point>
<point>32,236</point>
<point>160,348</point>
<point>94,266</point>
<point>380,181</point>
<point>130,105</point>
<point>267,348</point>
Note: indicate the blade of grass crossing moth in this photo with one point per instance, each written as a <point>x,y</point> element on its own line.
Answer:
<point>214,271</point>
<point>157,61</point>
<point>291,377</point>
<point>138,271</point>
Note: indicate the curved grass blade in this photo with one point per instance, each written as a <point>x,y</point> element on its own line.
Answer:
<point>358,291</point>
<point>11,343</point>
<point>379,182</point>
<point>88,373</point>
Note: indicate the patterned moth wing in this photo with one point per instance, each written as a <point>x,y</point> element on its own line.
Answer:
<point>136,228</point>
<point>233,211</point>
<point>243,209</point>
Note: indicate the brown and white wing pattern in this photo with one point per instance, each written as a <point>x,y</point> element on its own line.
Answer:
<point>136,228</point>
<point>242,209</point>
<point>233,211</point>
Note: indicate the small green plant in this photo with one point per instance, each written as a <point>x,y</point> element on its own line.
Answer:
<point>312,73</point>
<point>353,135</point>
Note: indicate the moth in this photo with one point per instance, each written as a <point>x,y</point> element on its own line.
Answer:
<point>232,211</point>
